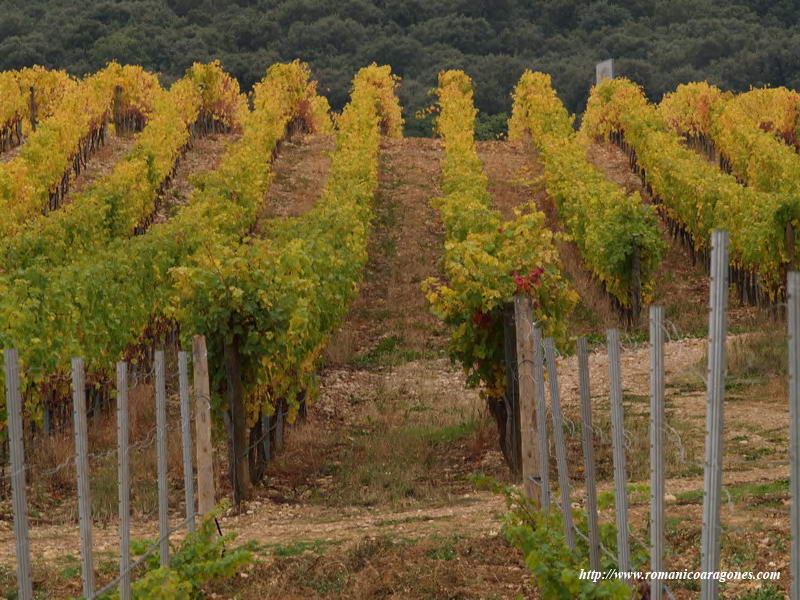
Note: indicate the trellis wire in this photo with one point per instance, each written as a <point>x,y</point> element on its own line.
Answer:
<point>606,551</point>
<point>147,440</point>
<point>142,558</point>
<point>279,428</point>
<point>122,451</point>
<point>267,422</point>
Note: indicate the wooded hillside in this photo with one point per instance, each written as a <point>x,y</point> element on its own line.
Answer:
<point>659,44</point>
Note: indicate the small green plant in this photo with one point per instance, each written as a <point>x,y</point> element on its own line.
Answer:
<point>201,557</point>
<point>540,536</point>
<point>299,547</point>
<point>445,550</point>
<point>162,584</point>
<point>765,592</point>
<point>638,493</point>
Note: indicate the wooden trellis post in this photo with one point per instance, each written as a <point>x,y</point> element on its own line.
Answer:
<point>523,318</point>
<point>202,424</point>
<point>186,436</point>
<point>82,464</point>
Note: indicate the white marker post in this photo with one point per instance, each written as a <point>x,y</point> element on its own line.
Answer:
<point>604,70</point>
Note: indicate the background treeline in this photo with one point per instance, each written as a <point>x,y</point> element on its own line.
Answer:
<point>658,43</point>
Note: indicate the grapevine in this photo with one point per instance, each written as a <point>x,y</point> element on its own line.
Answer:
<point>612,230</point>
<point>487,261</point>
<point>127,197</point>
<point>109,304</point>
<point>50,88</point>
<point>755,133</point>
<point>283,295</point>
<point>16,88</point>
<point>694,193</point>
<point>270,304</point>
<point>37,179</point>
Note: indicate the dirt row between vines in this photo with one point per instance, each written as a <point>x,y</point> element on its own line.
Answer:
<point>203,155</point>
<point>300,172</point>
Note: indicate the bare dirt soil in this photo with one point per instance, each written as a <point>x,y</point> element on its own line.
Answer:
<point>511,168</point>
<point>11,153</point>
<point>102,162</point>
<point>300,172</point>
<point>99,164</point>
<point>203,155</point>
<point>391,314</point>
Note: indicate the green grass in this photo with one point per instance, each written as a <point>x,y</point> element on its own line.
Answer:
<point>638,493</point>
<point>757,356</point>
<point>679,457</point>
<point>386,221</point>
<point>598,340</point>
<point>753,453</point>
<point>768,591</point>
<point>393,464</point>
<point>737,554</point>
<point>299,547</point>
<point>446,434</point>
<point>687,386</point>
<point>690,497</point>
<point>403,521</point>
<point>397,456</point>
<point>445,548</point>
<point>330,585</point>
<point>390,352</point>
<point>759,493</point>
<point>636,398</point>
<point>776,436</point>
<point>673,523</point>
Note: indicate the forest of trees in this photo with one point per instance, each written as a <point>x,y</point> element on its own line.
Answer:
<point>658,43</point>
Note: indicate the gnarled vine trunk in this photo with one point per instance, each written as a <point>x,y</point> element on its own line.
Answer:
<point>238,434</point>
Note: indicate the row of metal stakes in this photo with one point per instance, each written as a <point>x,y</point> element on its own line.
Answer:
<point>533,352</point>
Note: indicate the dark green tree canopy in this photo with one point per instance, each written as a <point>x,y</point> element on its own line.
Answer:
<point>657,43</point>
